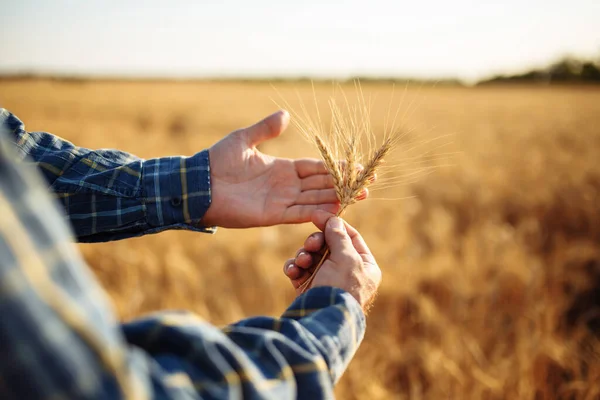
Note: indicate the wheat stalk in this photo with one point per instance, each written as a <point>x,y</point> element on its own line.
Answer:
<point>351,184</point>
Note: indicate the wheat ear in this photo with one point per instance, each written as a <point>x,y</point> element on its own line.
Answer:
<point>331,165</point>
<point>346,188</point>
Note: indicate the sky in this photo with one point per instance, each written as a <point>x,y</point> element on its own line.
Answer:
<point>466,39</point>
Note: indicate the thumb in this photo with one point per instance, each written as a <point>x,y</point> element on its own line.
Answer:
<point>336,235</point>
<point>320,217</point>
<point>268,128</point>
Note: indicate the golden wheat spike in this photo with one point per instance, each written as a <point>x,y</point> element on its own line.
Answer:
<point>349,131</point>
<point>331,165</point>
<point>368,174</point>
<point>347,193</point>
<point>350,174</point>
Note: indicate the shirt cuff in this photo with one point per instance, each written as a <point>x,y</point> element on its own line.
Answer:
<point>176,192</point>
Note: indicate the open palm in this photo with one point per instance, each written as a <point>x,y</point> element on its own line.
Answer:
<point>252,189</point>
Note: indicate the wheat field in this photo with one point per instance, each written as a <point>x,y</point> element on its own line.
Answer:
<point>491,259</point>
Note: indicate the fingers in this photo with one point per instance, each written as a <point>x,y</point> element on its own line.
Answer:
<point>303,260</point>
<point>291,270</point>
<point>306,167</point>
<point>306,258</point>
<point>268,128</point>
<point>315,242</point>
<point>319,182</point>
<point>320,219</point>
<point>298,282</point>
<point>296,274</point>
<point>309,255</point>
<point>322,196</point>
<point>358,242</point>
<point>322,181</point>
<point>363,195</point>
<point>337,237</point>
<point>297,214</point>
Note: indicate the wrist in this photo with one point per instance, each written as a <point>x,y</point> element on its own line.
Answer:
<point>176,191</point>
<point>210,217</point>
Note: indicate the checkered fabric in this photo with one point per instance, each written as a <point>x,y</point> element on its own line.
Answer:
<point>109,194</point>
<point>59,338</point>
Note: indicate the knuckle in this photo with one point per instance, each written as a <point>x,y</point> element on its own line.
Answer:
<point>287,264</point>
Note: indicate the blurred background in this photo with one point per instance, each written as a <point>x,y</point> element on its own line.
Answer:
<point>490,252</point>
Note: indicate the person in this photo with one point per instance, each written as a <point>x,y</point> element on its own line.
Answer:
<point>59,337</point>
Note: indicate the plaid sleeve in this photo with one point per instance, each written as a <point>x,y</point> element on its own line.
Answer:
<point>300,355</point>
<point>58,335</point>
<point>109,194</point>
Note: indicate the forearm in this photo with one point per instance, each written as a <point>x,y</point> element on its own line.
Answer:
<point>300,355</point>
<point>317,337</point>
<point>109,194</point>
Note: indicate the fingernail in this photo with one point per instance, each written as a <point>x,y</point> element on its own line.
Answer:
<point>336,223</point>
<point>301,254</point>
<point>283,113</point>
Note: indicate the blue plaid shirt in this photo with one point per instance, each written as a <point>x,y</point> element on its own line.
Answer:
<point>109,194</point>
<point>59,337</point>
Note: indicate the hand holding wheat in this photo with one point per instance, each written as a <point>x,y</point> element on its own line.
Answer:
<point>350,265</point>
<point>350,155</point>
<point>348,182</point>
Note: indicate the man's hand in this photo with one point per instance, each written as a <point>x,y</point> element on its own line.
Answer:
<point>252,189</point>
<point>350,265</point>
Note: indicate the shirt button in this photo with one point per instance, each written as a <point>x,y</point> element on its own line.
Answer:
<point>175,201</point>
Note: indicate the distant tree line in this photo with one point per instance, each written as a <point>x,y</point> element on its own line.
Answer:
<point>566,70</point>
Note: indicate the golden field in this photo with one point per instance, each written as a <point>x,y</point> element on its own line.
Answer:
<point>491,262</point>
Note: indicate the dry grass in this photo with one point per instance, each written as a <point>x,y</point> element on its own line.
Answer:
<point>491,267</point>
